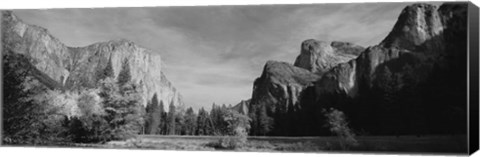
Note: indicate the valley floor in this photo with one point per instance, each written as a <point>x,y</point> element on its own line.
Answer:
<point>450,144</point>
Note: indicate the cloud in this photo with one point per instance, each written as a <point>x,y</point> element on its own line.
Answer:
<point>214,53</point>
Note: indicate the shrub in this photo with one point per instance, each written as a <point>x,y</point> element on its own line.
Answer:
<point>337,123</point>
<point>238,124</point>
<point>236,134</point>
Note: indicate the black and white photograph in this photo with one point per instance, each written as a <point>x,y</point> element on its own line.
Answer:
<point>381,77</point>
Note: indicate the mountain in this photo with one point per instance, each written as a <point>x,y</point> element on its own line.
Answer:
<point>281,84</point>
<point>242,107</point>
<point>406,84</point>
<point>416,40</point>
<point>67,68</point>
<point>320,56</point>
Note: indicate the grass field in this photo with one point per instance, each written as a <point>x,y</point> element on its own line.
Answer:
<point>455,144</point>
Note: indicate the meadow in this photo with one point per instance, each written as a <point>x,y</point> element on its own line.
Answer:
<point>386,144</point>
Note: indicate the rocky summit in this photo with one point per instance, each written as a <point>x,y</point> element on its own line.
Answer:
<point>66,68</point>
<point>320,56</point>
<point>417,40</point>
<point>281,83</point>
<point>421,58</point>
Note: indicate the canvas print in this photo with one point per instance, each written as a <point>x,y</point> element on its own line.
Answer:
<point>351,77</point>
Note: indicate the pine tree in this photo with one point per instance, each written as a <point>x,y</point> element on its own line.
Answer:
<point>161,124</point>
<point>19,113</point>
<point>190,122</point>
<point>124,76</point>
<point>154,113</point>
<point>164,123</point>
<point>203,123</point>
<point>216,115</point>
<point>252,114</point>
<point>265,123</point>
<point>171,119</point>
<point>179,122</point>
<point>123,108</point>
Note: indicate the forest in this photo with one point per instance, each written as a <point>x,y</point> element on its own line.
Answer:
<point>34,114</point>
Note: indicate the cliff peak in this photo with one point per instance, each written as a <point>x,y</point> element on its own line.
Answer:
<point>82,67</point>
<point>416,24</point>
<point>320,56</point>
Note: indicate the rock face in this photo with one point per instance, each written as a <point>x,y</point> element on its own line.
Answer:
<point>417,39</point>
<point>81,67</point>
<point>416,24</point>
<point>320,56</point>
<point>281,84</point>
<point>411,79</point>
<point>242,107</point>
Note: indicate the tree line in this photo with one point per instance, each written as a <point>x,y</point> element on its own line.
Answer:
<point>396,102</point>
<point>35,114</point>
<point>178,121</point>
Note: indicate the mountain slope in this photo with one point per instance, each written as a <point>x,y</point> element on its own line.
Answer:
<point>320,56</point>
<point>70,68</point>
<point>281,84</point>
<point>406,84</point>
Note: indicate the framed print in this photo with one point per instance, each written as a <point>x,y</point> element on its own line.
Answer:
<point>339,77</point>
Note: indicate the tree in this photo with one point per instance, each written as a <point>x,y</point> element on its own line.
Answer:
<point>124,76</point>
<point>24,120</point>
<point>337,123</point>
<point>238,124</point>
<point>219,126</point>
<point>179,121</point>
<point>204,126</point>
<point>252,114</point>
<point>162,127</point>
<point>261,124</point>
<point>265,123</point>
<point>190,122</point>
<point>123,108</point>
<point>171,119</point>
<point>153,116</point>
<point>236,130</point>
<point>89,125</point>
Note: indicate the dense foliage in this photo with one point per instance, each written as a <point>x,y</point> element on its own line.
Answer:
<point>337,123</point>
<point>35,114</point>
<point>25,120</point>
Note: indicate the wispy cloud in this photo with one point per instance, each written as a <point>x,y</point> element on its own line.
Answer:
<point>213,54</point>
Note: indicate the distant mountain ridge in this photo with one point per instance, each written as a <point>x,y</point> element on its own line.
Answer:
<point>61,67</point>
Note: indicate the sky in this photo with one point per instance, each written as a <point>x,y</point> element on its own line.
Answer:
<point>212,54</point>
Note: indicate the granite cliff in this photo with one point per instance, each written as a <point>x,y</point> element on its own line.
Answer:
<point>320,56</point>
<point>421,58</point>
<point>417,40</point>
<point>67,68</point>
<point>282,84</point>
